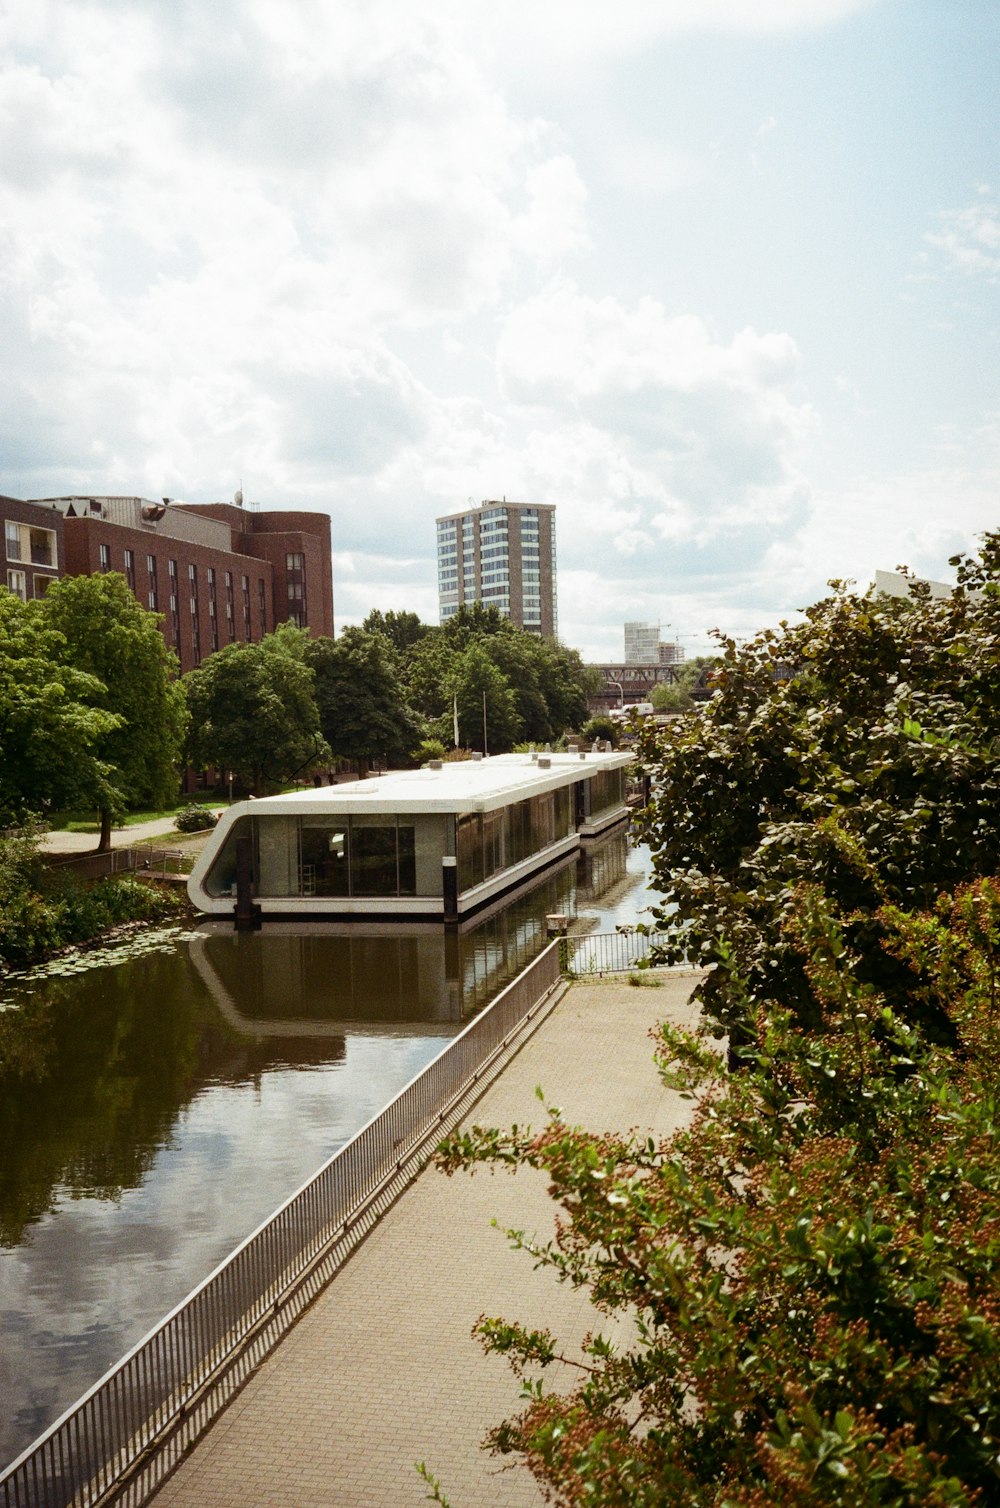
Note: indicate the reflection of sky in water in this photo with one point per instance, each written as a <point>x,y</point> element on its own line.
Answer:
<point>252,1120</point>
<point>229,1151</point>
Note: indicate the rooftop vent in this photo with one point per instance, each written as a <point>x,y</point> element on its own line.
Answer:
<point>544,763</point>
<point>435,764</point>
<point>476,754</point>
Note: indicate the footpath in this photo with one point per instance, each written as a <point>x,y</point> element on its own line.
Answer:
<point>382,1371</point>
<point>121,837</point>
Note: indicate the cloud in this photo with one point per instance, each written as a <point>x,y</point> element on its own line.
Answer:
<point>213,219</point>
<point>712,421</point>
<point>969,239</point>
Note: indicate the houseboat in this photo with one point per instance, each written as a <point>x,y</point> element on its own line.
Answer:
<point>433,844</point>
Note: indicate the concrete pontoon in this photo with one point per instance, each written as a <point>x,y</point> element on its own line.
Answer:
<point>429,844</point>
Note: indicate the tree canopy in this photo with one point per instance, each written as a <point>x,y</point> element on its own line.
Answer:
<point>110,658</point>
<point>50,727</point>
<point>809,1270</point>
<point>253,712</point>
<point>362,711</point>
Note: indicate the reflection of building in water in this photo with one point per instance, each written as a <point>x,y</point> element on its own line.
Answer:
<point>330,979</point>
<point>600,866</point>
<point>425,844</point>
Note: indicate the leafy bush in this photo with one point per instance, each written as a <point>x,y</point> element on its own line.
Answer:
<point>194,819</point>
<point>42,911</point>
<point>430,748</point>
<point>808,1273</point>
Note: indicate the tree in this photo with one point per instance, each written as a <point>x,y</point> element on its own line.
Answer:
<point>362,711</point>
<point>488,718</point>
<point>857,748</point>
<point>675,696</point>
<point>50,728</point>
<point>402,629</point>
<point>807,1273</point>
<point>804,1281</point>
<point>109,637</point>
<point>253,712</point>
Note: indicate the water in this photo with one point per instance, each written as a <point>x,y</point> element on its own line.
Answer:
<point>153,1112</point>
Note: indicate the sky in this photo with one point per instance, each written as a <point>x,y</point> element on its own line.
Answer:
<point>717,279</point>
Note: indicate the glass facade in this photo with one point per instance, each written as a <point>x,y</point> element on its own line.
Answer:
<point>326,856</point>
<point>488,842</point>
<point>605,791</point>
<point>330,856</point>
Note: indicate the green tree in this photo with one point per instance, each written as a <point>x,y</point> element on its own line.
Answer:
<point>857,748</point>
<point>802,1284</point>
<point>807,1274</point>
<point>675,696</point>
<point>402,629</point>
<point>50,729</point>
<point>109,637</point>
<point>362,711</point>
<point>253,712</point>
<point>486,704</point>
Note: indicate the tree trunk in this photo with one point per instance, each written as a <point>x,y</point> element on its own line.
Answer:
<point>104,843</point>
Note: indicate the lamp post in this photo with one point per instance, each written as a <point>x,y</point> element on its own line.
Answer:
<point>621,692</point>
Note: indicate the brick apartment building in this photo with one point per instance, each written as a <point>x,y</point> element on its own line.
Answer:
<point>217,573</point>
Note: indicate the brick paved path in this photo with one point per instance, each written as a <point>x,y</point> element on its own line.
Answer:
<point>382,1371</point>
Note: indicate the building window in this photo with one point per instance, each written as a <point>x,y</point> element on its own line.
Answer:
<point>260,607</point>
<point>37,546</point>
<point>17,582</point>
<point>104,556</point>
<point>130,569</point>
<point>210,573</point>
<point>172,570</point>
<point>42,584</point>
<point>151,565</point>
<point>295,563</point>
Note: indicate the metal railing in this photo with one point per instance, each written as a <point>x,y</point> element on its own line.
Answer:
<point>135,860</point>
<point>119,1441</point>
<point>607,952</point>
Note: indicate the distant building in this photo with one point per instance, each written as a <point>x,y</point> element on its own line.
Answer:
<point>643,646</point>
<point>216,573</point>
<point>502,554</point>
<point>895,584</point>
<point>33,542</point>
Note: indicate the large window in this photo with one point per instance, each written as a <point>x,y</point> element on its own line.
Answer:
<point>498,840</point>
<point>329,856</point>
<point>606,791</point>
<point>34,546</point>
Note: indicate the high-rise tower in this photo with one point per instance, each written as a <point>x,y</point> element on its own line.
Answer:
<point>500,553</point>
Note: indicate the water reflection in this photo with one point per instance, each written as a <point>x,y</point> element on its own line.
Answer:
<point>153,1112</point>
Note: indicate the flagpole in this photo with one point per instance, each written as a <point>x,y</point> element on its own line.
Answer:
<point>485,746</point>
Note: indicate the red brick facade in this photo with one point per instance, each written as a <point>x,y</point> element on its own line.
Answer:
<point>216,573</point>
<point>33,545</point>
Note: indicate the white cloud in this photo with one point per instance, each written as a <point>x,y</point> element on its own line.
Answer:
<point>712,421</point>
<point>970,238</point>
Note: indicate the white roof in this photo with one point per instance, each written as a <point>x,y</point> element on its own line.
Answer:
<point>467,785</point>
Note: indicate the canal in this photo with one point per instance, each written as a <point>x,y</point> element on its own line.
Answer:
<point>156,1107</point>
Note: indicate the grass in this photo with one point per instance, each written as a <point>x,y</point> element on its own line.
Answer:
<point>88,822</point>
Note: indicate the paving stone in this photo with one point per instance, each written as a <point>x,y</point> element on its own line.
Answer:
<point>382,1372</point>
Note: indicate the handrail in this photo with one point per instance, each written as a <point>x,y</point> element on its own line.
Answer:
<point>117,1443</point>
<point>597,953</point>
